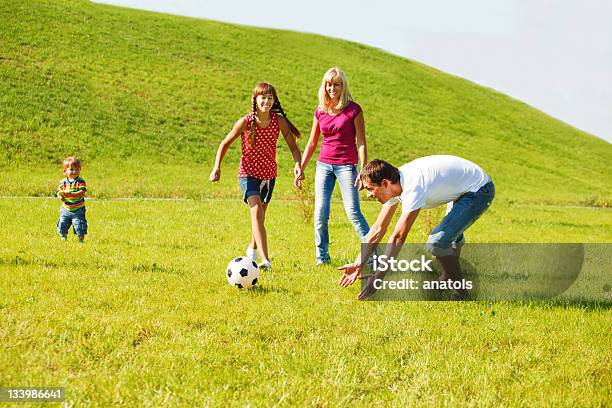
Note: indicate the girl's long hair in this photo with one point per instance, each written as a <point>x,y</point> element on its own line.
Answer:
<point>325,104</point>
<point>264,88</point>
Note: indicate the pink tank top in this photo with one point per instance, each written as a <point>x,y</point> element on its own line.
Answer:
<point>338,144</point>
<point>259,161</point>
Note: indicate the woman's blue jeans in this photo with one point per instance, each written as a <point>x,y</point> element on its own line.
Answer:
<point>325,181</point>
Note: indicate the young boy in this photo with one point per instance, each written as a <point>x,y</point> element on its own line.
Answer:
<point>71,191</point>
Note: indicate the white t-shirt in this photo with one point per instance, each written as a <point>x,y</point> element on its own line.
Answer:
<point>430,181</point>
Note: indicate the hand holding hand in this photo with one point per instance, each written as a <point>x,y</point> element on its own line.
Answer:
<point>298,175</point>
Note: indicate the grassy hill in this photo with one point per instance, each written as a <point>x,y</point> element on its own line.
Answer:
<point>141,314</point>
<point>139,93</point>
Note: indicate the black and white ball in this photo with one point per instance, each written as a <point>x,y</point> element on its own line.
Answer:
<point>242,272</point>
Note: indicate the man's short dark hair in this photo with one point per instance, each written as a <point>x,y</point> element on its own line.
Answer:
<point>378,170</point>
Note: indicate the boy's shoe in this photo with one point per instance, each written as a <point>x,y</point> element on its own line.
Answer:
<point>252,253</point>
<point>64,237</point>
<point>323,262</point>
<point>265,265</point>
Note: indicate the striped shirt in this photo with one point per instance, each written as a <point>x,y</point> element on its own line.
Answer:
<point>73,186</point>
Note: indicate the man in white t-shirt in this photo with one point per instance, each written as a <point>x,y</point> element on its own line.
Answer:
<point>426,182</point>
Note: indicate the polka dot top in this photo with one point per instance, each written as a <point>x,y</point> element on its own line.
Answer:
<point>259,161</point>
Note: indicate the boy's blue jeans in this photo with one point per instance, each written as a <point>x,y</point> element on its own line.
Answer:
<point>448,235</point>
<point>325,180</point>
<point>75,218</point>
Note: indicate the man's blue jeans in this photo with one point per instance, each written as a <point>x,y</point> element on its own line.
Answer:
<point>448,235</point>
<point>325,180</point>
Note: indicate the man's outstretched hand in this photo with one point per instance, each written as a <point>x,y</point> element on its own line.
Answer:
<point>369,288</point>
<point>351,273</point>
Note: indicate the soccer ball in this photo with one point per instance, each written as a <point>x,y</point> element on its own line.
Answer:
<point>242,272</point>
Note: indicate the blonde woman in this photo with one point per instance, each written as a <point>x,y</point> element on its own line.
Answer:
<point>340,120</point>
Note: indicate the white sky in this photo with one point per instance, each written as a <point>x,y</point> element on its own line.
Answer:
<point>555,55</point>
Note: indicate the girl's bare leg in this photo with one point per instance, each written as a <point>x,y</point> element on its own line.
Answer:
<point>259,236</point>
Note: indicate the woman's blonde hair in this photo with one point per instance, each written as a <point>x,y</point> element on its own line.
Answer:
<point>332,74</point>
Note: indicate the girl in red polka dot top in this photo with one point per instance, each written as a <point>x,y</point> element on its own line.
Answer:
<point>259,131</point>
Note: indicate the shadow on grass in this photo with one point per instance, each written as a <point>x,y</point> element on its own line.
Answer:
<point>155,268</point>
<point>265,290</point>
<point>585,304</point>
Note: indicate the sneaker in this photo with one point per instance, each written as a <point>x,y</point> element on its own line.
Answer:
<point>64,237</point>
<point>252,253</point>
<point>323,262</point>
<point>265,265</point>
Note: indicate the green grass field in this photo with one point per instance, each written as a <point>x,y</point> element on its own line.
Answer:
<point>141,313</point>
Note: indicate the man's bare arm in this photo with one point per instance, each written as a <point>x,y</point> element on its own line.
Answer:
<point>402,228</point>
